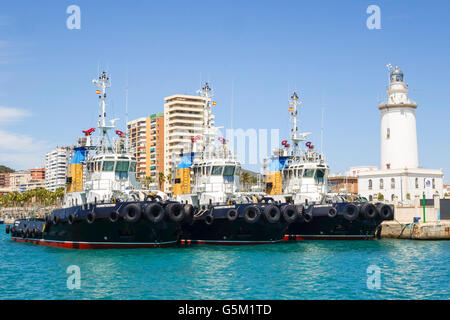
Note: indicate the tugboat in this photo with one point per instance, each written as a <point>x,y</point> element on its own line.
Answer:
<point>104,206</point>
<point>207,183</point>
<point>300,177</point>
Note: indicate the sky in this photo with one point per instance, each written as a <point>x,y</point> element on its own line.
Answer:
<point>254,54</point>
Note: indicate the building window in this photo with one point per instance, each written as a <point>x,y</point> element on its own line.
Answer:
<point>392,183</point>
<point>417,183</point>
<point>381,184</point>
<point>388,133</point>
<point>388,165</point>
<point>370,197</point>
<point>433,183</point>
<point>370,184</point>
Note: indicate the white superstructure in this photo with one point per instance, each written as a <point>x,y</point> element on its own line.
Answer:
<point>109,170</point>
<point>303,173</point>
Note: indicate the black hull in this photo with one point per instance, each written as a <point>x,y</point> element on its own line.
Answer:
<point>222,231</point>
<point>97,234</point>
<point>339,227</point>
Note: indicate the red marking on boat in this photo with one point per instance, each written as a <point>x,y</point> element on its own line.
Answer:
<point>226,242</point>
<point>293,237</point>
<point>97,245</point>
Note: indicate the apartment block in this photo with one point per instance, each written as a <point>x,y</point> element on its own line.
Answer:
<point>138,140</point>
<point>146,142</point>
<point>56,164</point>
<point>185,117</point>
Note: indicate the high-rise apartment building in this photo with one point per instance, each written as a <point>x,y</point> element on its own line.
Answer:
<point>56,164</point>
<point>146,142</point>
<point>138,139</point>
<point>185,117</point>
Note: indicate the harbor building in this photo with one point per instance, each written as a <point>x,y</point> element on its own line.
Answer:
<point>185,118</point>
<point>146,142</point>
<point>56,165</point>
<point>400,178</point>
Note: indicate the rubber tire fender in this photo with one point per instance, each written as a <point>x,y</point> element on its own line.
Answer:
<point>209,218</point>
<point>369,211</point>
<point>272,213</point>
<point>332,213</point>
<point>132,207</point>
<point>175,211</point>
<point>385,212</point>
<point>114,216</point>
<point>90,217</point>
<point>289,213</point>
<point>232,214</point>
<point>248,214</point>
<point>151,209</point>
<point>55,219</point>
<point>350,212</point>
<point>307,216</point>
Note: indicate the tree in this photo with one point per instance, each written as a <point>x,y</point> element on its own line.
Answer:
<point>245,179</point>
<point>161,178</point>
<point>146,182</point>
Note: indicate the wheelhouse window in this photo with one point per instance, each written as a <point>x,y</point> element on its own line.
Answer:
<point>207,170</point>
<point>108,166</point>
<point>217,171</point>
<point>122,169</point>
<point>309,173</point>
<point>228,171</point>
<point>133,167</point>
<point>320,174</point>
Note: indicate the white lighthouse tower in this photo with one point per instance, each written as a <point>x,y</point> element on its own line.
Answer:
<point>400,176</point>
<point>398,126</point>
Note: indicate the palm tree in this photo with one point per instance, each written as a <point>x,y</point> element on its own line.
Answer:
<point>245,179</point>
<point>146,182</point>
<point>161,178</point>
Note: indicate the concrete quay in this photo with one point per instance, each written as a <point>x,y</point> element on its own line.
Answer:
<point>435,230</point>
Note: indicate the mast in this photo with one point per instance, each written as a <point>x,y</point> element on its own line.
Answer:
<point>296,137</point>
<point>208,131</point>
<point>103,83</point>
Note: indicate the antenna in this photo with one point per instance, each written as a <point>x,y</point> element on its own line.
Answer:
<point>232,104</point>
<point>321,130</point>
<point>126,109</point>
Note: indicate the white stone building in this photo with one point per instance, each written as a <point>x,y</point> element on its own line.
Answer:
<point>56,164</point>
<point>400,176</point>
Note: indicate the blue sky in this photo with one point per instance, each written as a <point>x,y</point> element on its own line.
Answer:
<point>266,49</point>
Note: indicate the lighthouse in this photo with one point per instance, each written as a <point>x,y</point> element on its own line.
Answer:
<point>398,126</point>
<point>399,178</point>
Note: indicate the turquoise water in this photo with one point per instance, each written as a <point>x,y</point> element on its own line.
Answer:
<point>302,270</point>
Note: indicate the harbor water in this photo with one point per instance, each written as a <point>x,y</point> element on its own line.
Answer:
<point>378,269</point>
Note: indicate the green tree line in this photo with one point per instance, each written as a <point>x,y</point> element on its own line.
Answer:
<point>39,196</point>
